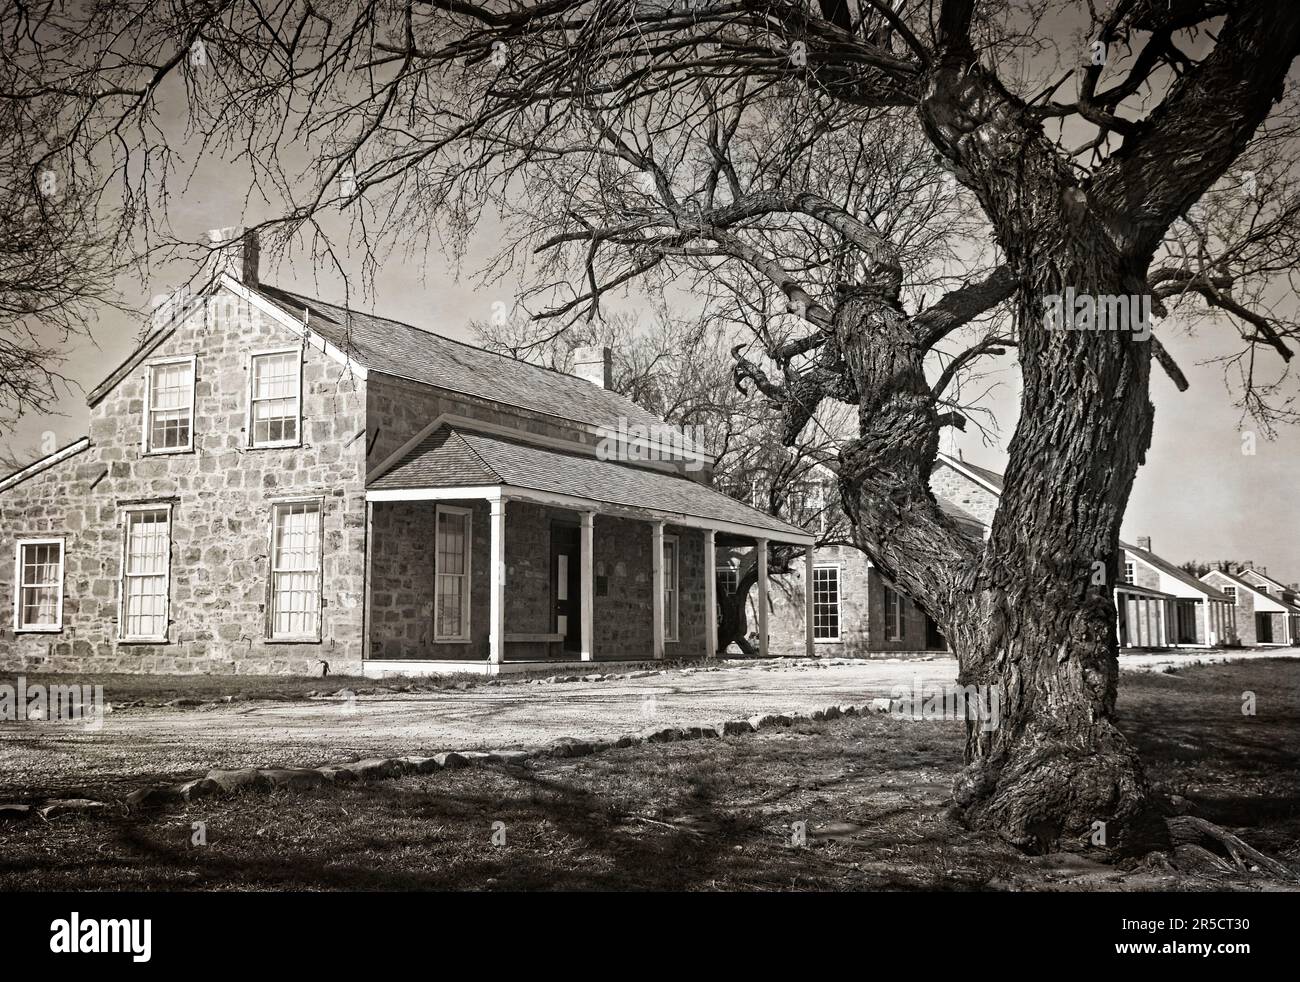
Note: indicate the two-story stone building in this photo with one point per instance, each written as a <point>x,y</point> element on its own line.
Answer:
<point>270,482</point>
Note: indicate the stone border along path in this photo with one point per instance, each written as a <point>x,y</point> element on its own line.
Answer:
<point>218,782</point>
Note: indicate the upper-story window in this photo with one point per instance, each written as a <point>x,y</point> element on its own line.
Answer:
<point>169,406</point>
<point>1128,572</point>
<point>275,399</point>
<point>1261,588</point>
<point>1231,593</point>
<point>38,599</point>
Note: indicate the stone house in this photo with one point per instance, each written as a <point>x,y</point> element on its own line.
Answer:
<point>270,482</point>
<point>1266,610</point>
<point>856,610</point>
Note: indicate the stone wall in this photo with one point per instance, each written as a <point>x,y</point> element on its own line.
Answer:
<point>962,491</point>
<point>862,612</point>
<point>221,495</point>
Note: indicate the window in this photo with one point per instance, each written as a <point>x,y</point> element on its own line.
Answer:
<point>451,580</point>
<point>275,399</point>
<point>728,582</point>
<point>38,576</point>
<point>670,587</point>
<point>1262,589</point>
<point>1128,572</point>
<point>169,407</point>
<point>1231,593</point>
<point>826,603</point>
<point>146,574</point>
<point>295,571</point>
<point>893,615</point>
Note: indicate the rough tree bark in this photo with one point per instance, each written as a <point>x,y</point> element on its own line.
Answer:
<point>1031,613</point>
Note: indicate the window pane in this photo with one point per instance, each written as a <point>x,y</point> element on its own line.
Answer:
<point>275,398</point>
<point>295,587</point>
<point>452,567</point>
<point>40,587</point>
<point>450,606</point>
<point>826,603</point>
<point>145,580</point>
<point>172,386</point>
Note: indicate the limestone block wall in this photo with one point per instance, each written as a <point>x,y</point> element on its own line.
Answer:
<point>221,495</point>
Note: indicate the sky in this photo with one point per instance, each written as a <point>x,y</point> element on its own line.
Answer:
<point>1198,496</point>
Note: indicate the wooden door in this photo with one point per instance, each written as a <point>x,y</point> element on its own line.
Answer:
<point>566,585</point>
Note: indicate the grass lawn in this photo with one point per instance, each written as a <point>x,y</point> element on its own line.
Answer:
<point>706,814</point>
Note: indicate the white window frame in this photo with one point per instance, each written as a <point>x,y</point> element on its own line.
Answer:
<point>672,583</point>
<point>466,633</point>
<point>1130,571</point>
<point>146,429</point>
<point>896,634</point>
<point>144,507</point>
<point>312,636</point>
<point>731,589</point>
<point>250,441</point>
<point>1231,593</point>
<point>839,603</point>
<point>19,586</point>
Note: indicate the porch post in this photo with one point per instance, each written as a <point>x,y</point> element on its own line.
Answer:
<point>587,553</point>
<point>657,569</point>
<point>497,582</point>
<point>367,581</point>
<point>808,644</point>
<point>710,594</point>
<point>761,547</point>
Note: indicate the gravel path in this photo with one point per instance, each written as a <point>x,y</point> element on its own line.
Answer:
<point>165,742</point>
<point>173,742</point>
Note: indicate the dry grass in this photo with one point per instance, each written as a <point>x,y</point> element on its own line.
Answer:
<point>713,814</point>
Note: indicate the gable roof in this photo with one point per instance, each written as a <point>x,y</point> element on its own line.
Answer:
<point>1237,580</point>
<point>409,352</point>
<point>44,464</point>
<point>1264,576</point>
<point>1181,575</point>
<point>991,480</point>
<point>452,457</point>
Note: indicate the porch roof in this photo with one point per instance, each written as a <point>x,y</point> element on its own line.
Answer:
<point>452,457</point>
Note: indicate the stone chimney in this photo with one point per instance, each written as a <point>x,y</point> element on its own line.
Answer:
<point>1144,543</point>
<point>237,253</point>
<point>594,364</point>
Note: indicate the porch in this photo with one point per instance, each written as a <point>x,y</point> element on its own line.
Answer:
<point>519,571</point>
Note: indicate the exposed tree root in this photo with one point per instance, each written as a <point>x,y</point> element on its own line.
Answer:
<point>1193,839</point>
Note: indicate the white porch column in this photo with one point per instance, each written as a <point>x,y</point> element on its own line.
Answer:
<point>497,582</point>
<point>761,549</point>
<point>809,645</point>
<point>587,554</point>
<point>657,568</point>
<point>710,594</point>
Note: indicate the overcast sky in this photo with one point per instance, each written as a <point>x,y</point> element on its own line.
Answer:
<point>1198,495</point>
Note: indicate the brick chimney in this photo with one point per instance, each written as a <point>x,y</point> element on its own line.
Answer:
<point>595,364</point>
<point>237,253</point>
<point>1144,543</point>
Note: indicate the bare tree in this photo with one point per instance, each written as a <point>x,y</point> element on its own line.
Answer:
<point>1082,138</point>
<point>57,265</point>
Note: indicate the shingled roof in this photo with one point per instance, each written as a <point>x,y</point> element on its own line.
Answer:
<point>1181,575</point>
<point>450,458</point>
<point>408,352</point>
